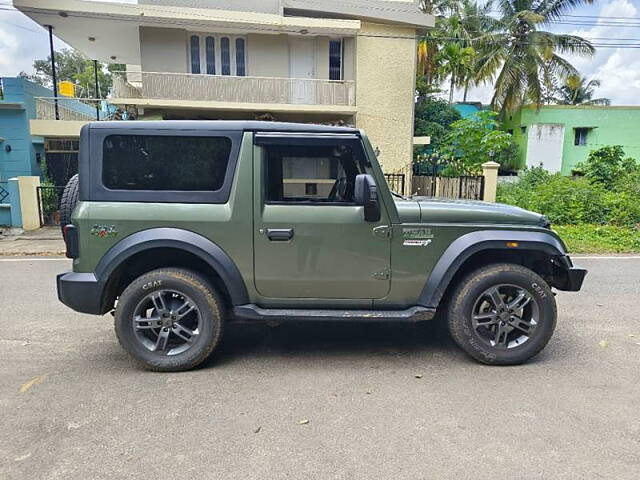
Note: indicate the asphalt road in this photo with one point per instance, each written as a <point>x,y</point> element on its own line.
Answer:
<point>72,406</point>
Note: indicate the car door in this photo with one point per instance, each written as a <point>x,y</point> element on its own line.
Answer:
<point>310,239</point>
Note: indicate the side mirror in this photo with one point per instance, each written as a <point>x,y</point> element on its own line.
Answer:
<point>366,194</point>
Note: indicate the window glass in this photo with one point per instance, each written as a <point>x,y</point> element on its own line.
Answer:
<point>581,136</point>
<point>240,66</point>
<point>313,174</point>
<point>147,162</point>
<point>195,54</point>
<point>335,60</point>
<point>211,55</point>
<point>225,55</point>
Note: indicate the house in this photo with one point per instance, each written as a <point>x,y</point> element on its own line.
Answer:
<point>22,153</point>
<point>468,109</point>
<point>335,61</point>
<point>558,137</point>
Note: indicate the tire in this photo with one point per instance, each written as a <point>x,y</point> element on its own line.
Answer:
<point>140,322</point>
<point>496,335</point>
<point>68,201</point>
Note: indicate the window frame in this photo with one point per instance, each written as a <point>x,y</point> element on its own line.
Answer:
<point>265,140</point>
<point>99,192</point>
<point>217,38</point>
<point>580,136</point>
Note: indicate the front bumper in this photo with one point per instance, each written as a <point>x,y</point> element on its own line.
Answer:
<point>81,292</point>
<point>571,277</point>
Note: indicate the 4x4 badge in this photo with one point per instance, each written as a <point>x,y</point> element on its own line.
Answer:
<point>104,231</point>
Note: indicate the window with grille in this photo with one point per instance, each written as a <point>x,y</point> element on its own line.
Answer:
<point>335,60</point>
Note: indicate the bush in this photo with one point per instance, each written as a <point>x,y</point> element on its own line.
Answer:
<point>607,165</point>
<point>577,200</point>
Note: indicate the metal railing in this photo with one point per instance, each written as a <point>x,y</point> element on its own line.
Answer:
<point>77,109</point>
<point>220,88</point>
<point>4,192</point>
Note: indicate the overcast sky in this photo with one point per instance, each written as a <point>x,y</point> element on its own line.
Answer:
<point>22,41</point>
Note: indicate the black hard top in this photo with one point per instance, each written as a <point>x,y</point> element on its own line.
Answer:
<point>221,125</point>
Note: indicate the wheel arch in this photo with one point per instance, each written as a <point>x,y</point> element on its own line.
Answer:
<point>534,250</point>
<point>168,247</point>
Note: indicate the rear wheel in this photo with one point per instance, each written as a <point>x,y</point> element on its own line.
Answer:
<point>169,319</point>
<point>502,314</point>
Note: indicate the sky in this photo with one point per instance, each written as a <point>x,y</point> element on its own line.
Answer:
<point>22,41</point>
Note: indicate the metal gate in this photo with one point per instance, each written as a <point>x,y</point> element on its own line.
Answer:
<point>49,204</point>
<point>436,176</point>
<point>395,182</point>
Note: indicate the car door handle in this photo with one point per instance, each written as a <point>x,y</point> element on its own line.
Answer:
<point>280,234</point>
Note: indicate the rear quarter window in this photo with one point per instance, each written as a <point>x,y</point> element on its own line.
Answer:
<point>165,163</point>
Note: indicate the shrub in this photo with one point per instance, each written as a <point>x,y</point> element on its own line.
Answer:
<point>578,200</point>
<point>607,165</point>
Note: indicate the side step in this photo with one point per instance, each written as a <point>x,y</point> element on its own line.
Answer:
<point>253,312</point>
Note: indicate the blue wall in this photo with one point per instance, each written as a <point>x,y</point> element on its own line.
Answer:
<point>467,110</point>
<point>17,106</point>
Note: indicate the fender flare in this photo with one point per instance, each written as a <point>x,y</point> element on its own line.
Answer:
<point>467,245</point>
<point>185,240</point>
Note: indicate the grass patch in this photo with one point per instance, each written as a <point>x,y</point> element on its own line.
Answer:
<point>599,238</point>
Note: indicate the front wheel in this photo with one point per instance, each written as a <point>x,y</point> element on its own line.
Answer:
<point>502,314</point>
<point>169,319</point>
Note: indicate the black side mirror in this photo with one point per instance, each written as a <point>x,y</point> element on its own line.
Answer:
<point>366,194</point>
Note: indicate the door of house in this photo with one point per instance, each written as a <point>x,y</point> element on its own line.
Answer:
<point>545,146</point>
<point>302,69</point>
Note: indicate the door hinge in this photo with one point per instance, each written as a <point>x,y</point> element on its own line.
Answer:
<point>382,275</point>
<point>383,231</point>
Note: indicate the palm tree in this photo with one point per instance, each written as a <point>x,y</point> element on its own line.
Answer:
<point>521,57</point>
<point>578,90</point>
<point>457,64</point>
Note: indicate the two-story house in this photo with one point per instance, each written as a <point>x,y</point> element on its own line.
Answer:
<point>330,61</point>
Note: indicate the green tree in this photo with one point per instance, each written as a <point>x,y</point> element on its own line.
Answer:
<point>433,118</point>
<point>520,54</point>
<point>577,90</point>
<point>476,140</point>
<point>73,66</point>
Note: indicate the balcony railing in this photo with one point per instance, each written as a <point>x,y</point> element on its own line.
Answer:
<point>218,88</point>
<point>77,109</point>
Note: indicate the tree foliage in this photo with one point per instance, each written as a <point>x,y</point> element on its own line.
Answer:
<point>577,90</point>
<point>73,66</point>
<point>476,140</point>
<point>433,118</point>
<point>607,166</point>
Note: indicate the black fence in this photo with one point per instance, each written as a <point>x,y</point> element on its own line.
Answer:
<point>49,205</point>
<point>4,191</point>
<point>395,182</point>
<point>464,187</point>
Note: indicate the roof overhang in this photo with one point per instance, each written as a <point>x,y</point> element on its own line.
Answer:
<point>110,31</point>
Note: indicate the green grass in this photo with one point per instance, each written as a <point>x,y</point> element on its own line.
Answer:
<point>600,238</point>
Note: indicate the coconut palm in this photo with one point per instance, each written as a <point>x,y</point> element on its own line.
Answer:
<point>520,53</point>
<point>578,90</point>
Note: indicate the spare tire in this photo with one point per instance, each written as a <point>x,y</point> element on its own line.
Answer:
<point>68,201</point>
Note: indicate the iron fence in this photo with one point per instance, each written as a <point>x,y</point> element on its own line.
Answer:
<point>4,192</point>
<point>49,204</point>
<point>395,182</point>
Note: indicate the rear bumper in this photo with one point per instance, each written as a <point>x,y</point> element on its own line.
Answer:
<point>81,292</point>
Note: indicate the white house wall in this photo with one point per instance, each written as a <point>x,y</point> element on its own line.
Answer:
<point>545,145</point>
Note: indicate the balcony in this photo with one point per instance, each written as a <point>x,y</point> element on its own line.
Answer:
<point>215,91</point>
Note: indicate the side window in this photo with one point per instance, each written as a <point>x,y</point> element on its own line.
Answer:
<point>165,163</point>
<point>211,55</point>
<point>225,50</point>
<point>240,58</point>
<point>310,174</point>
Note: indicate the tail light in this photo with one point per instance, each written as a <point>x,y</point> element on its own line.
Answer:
<point>70,235</point>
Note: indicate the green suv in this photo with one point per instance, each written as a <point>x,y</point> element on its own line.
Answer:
<point>179,227</point>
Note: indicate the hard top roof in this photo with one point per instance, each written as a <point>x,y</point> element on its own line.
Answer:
<point>221,125</point>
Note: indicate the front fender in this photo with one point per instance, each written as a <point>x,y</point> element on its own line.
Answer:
<point>471,243</point>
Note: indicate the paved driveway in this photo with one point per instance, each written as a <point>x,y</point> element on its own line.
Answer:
<point>73,406</point>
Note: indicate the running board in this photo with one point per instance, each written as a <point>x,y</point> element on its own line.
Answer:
<point>253,312</point>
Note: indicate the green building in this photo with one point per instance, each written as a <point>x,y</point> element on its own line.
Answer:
<point>558,137</point>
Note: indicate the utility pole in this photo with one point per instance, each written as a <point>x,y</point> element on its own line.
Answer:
<point>53,71</point>
<point>95,74</point>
